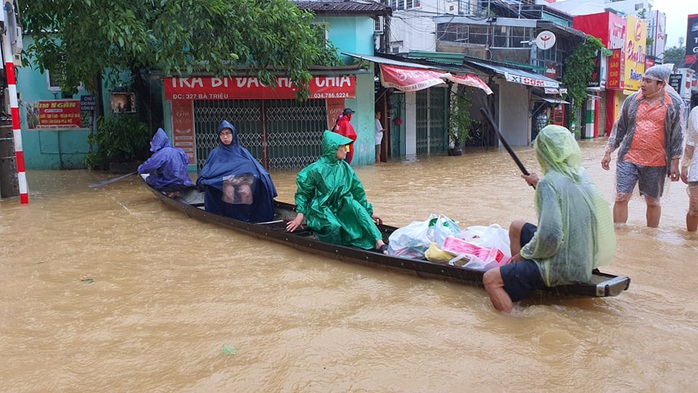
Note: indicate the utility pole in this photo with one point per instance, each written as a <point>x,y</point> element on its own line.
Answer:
<point>11,34</point>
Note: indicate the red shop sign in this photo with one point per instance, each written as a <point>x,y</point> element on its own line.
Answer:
<point>58,114</point>
<point>250,88</point>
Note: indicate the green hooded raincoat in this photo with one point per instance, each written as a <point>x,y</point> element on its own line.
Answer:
<point>333,200</point>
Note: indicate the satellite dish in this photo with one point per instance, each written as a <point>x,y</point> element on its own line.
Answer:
<point>545,40</point>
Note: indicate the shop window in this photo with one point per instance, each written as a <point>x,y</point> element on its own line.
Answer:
<point>478,34</point>
<point>54,81</point>
<point>404,4</point>
<point>122,102</point>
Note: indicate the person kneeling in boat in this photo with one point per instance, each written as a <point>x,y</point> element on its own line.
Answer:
<point>575,232</point>
<point>333,202</point>
<point>236,185</point>
<point>167,167</point>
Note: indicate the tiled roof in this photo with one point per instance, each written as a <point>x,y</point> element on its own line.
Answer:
<point>344,7</point>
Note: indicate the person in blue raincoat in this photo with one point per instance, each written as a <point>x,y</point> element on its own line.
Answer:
<point>236,185</point>
<point>332,200</point>
<point>167,166</point>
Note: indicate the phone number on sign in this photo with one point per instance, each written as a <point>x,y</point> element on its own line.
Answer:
<point>330,95</point>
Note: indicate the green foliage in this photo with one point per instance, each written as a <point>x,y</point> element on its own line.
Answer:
<point>459,119</point>
<point>119,138</point>
<point>89,38</point>
<point>675,55</point>
<point>579,67</point>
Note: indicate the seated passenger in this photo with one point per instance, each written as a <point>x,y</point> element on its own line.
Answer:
<point>167,166</point>
<point>236,185</point>
<point>574,234</point>
<point>333,202</point>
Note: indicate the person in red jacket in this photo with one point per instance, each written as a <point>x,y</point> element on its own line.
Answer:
<point>344,128</point>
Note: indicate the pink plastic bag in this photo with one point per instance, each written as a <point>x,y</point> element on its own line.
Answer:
<point>484,247</point>
<point>461,247</point>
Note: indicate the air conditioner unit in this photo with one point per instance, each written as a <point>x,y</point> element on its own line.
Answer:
<point>379,25</point>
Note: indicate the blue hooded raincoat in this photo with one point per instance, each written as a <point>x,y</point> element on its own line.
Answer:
<point>333,200</point>
<point>226,162</point>
<point>167,166</point>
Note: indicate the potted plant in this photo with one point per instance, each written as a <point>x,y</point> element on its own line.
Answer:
<point>122,143</point>
<point>459,121</point>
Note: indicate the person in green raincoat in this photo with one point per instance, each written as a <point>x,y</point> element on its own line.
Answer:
<point>332,200</point>
<point>575,232</point>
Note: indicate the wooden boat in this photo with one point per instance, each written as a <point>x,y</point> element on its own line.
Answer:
<point>191,203</point>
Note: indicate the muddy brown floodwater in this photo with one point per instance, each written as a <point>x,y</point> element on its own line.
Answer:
<point>107,290</point>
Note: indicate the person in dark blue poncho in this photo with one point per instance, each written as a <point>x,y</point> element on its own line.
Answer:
<point>236,185</point>
<point>167,166</point>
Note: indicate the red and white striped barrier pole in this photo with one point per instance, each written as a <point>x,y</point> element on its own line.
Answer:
<point>14,108</point>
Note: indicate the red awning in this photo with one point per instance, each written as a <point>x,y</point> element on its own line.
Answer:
<point>410,79</point>
<point>470,80</point>
<point>415,79</point>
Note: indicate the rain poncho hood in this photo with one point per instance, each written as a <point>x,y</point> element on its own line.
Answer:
<point>225,162</point>
<point>575,227</point>
<point>558,151</point>
<point>167,166</point>
<point>333,200</point>
<point>659,72</point>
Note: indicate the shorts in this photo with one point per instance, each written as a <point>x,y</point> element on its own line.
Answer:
<point>650,178</point>
<point>523,277</point>
<point>527,232</point>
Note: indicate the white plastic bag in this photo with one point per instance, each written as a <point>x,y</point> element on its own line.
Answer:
<point>443,228</point>
<point>413,240</point>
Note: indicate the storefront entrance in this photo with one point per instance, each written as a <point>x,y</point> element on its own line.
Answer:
<point>281,133</point>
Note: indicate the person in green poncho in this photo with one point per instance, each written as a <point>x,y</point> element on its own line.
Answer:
<point>575,232</point>
<point>332,200</point>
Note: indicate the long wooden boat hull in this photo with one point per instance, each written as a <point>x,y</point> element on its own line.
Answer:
<point>190,202</point>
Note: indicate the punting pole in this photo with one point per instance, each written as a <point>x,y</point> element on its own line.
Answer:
<point>14,108</point>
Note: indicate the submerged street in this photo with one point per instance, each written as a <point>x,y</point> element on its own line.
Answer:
<point>106,289</point>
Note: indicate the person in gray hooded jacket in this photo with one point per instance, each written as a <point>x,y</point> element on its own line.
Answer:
<point>649,133</point>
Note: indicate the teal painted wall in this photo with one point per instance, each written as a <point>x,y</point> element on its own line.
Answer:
<point>363,120</point>
<point>355,35</point>
<point>53,148</point>
<point>350,34</point>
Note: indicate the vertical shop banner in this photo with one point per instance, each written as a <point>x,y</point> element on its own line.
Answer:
<point>183,128</point>
<point>57,114</point>
<point>675,81</point>
<point>615,70</point>
<point>596,73</point>
<point>618,27</point>
<point>635,49</point>
<point>692,39</point>
<point>335,107</point>
<point>659,39</point>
